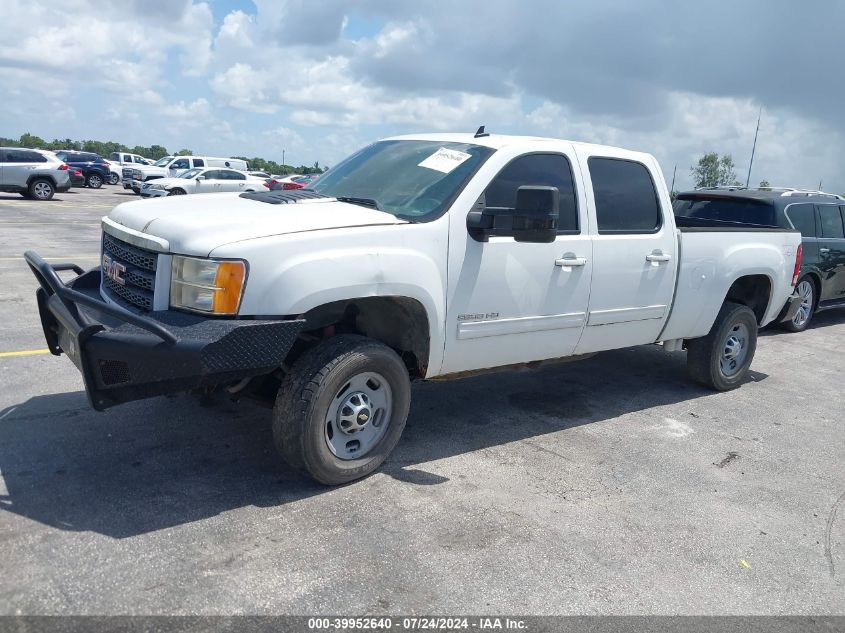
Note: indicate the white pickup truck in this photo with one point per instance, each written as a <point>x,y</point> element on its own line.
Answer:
<point>419,257</point>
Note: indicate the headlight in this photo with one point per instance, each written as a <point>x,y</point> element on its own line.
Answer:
<point>155,186</point>
<point>207,285</point>
<point>137,174</point>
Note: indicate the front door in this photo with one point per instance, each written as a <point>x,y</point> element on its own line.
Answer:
<point>511,302</point>
<point>634,253</point>
<point>831,243</point>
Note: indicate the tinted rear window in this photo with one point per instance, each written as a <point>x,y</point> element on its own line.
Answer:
<point>831,222</point>
<point>803,218</point>
<point>726,210</point>
<point>626,200</point>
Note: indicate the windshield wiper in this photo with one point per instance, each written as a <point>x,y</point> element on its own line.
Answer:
<point>364,202</point>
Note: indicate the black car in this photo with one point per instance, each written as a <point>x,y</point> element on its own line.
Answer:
<point>819,217</point>
<point>76,178</point>
<point>94,167</point>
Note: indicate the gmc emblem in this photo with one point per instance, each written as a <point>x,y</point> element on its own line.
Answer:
<point>113,270</point>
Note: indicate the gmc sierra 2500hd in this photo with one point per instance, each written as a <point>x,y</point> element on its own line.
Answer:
<point>417,257</point>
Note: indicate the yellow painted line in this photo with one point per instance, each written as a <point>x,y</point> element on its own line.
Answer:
<point>26,352</point>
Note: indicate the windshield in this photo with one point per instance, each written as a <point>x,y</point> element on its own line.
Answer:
<point>161,162</point>
<point>190,173</point>
<point>410,179</point>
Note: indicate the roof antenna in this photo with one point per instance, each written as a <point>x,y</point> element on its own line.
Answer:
<point>480,132</point>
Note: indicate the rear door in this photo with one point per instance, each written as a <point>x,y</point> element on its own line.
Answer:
<point>634,252</point>
<point>831,243</point>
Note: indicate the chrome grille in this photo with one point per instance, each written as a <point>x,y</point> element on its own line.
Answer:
<point>139,274</point>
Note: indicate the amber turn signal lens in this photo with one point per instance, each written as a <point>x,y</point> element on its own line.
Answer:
<point>229,282</point>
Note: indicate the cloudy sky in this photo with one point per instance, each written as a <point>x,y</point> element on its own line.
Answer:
<point>320,78</point>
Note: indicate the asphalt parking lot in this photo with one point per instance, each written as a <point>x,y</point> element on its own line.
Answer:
<point>609,486</point>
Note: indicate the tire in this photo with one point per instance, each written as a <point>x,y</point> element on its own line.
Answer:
<point>25,194</point>
<point>806,289</point>
<point>95,181</point>
<point>113,178</point>
<point>721,359</point>
<point>317,400</point>
<point>136,191</point>
<point>176,192</point>
<point>41,189</point>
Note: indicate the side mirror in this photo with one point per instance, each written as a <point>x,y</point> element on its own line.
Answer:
<point>534,219</point>
<point>536,215</point>
<point>200,178</point>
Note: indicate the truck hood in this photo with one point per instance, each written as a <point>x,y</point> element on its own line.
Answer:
<point>199,223</point>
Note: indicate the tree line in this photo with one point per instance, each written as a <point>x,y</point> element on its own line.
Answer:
<point>154,152</point>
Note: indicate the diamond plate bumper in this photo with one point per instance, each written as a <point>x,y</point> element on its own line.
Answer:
<point>125,356</point>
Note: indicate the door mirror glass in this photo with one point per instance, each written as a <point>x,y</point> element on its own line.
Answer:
<point>536,215</point>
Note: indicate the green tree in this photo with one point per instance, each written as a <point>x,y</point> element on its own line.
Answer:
<point>713,170</point>
<point>28,140</point>
<point>185,152</point>
<point>764,184</point>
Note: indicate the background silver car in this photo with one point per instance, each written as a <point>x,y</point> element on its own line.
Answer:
<point>33,173</point>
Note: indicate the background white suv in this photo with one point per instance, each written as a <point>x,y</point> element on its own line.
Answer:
<point>33,173</point>
<point>200,180</point>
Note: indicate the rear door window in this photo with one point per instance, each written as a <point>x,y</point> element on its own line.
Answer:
<point>626,199</point>
<point>830,222</point>
<point>803,218</point>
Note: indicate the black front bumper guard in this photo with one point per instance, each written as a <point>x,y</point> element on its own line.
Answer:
<point>125,356</point>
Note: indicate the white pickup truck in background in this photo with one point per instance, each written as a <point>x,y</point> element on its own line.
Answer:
<point>428,256</point>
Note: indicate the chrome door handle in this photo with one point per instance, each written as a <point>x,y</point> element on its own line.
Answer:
<point>658,257</point>
<point>824,250</point>
<point>566,262</point>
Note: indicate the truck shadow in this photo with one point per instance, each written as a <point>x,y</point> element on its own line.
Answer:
<point>156,464</point>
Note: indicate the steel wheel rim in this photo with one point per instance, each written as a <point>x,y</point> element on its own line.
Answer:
<point>734,350</point>
<point>42,190</point>
<point>805,291</point>
<point>358,416</point>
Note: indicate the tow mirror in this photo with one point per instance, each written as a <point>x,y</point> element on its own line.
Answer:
<point>534,219</point>
<point>536,215</point>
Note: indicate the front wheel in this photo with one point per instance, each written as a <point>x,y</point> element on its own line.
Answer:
<point>113,178</point>
<point>176,192</point>
<point>721,359</point>
<point>341,409</point>
<point>41,189</point>
<point>806,289</point>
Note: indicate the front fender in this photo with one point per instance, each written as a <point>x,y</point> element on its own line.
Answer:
<point>292,274</point>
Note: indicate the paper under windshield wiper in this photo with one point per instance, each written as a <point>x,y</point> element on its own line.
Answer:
<point>364,202</point>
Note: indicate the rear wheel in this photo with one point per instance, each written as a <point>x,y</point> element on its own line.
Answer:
<point>41,189</point>
<point>341,408</point>
<point>721,359</point>
<point>95,181</point>
<point>806,289</point>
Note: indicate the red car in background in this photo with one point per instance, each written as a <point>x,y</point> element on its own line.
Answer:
<point>297,182</point>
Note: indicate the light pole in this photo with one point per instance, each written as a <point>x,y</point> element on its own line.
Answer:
<point>283,161</point>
